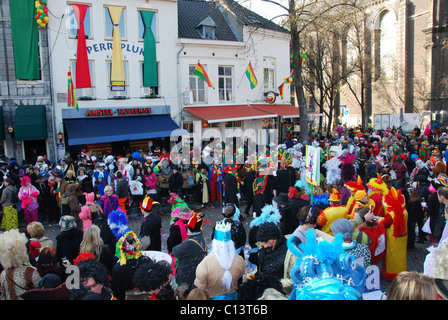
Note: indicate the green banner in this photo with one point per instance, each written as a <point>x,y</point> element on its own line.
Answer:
<point>150,59</point>
<point>25,39</point>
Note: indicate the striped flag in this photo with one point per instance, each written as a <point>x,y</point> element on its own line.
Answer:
<point>251,76</point>
<point>72,102</point>
<point>200,72</point>
<point>281,89</point>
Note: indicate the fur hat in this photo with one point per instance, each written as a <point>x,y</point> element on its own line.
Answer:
<point>67,223</point>
<point>268,231</point>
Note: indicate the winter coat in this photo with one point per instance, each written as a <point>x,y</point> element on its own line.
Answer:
<point>189,254</point>
<point>67,244</point>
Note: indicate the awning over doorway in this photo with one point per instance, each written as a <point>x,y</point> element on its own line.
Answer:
<point>282,110</point>
<point>98,130</point>
<point>30,123</point>
<point>213,114</point>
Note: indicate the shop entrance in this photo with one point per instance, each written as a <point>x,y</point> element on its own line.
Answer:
<point>33,149</point>
<point>121,148</point>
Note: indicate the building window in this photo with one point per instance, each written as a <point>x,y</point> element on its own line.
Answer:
<point>123,93</point>
<point>73,23</point>
<point>268,78</point>
<point>141,26</point>
<point>388,45</point>
<point>147,92</point>
<point>206,29</point>
<point>84,93</point>
<point>225,80</point>
<point>197,85</point>
<point>110,27</point>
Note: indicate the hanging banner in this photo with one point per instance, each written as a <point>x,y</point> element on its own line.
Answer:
<point>25,39</point>
<point>150,59</point>
<point>117,80</point>
<point>82,60</point>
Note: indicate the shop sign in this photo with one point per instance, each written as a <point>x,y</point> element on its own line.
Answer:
<point>101,112</point>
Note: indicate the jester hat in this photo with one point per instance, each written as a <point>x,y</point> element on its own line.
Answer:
<point>377,184</point>
<point>355,185</point>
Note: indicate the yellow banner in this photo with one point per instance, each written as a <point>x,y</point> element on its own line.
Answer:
<point>117,67</point>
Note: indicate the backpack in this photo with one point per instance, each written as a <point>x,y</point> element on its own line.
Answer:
<point>14,196</point>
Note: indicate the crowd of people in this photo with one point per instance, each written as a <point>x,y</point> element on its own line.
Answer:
<point>379,193</point>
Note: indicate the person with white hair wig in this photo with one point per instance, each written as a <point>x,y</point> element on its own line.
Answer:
<point>219,272</point>
<point>18,275</point>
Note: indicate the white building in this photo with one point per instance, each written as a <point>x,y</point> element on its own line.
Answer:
<point>132,115</point>
<point>223,36</point>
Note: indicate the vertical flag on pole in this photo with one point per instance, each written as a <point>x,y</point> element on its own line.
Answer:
<point>200,72</point>
<point>72,102</point>
<point>251,76</point>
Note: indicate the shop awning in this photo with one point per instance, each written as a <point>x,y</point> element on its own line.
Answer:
<point>283,110</point>
<point>98,130</point>
<point>30,123</point>
<point>215,114</point>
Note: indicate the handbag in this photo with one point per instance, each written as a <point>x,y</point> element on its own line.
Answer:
<point>426,228</point>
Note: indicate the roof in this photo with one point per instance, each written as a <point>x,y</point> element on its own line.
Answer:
<point>192,12</point>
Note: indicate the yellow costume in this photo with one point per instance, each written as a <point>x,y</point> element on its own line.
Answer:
<point>396,236</point>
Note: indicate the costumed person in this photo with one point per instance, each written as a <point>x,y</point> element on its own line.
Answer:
<point>297,200</point>
<point>175,201</point>
<point>118,223</point>
<point>395,260</point>
<point>231,185</point>
<point>439,166</point>
<point>334,212</point>
<point>28,196</point>
<point>232,215</point>
<point>190,252</point>
<point>130,257</point>
<point>286,174</point>
<point>333,166</point>
<point>288,221</point>
<point>348,170</point>
<point>323,271</point>
<point>9,198</point>
<point>70,203</point>
<point>94,281</point>
<point>99,185</point>
<point>219,272</point>
<point>150,229</point>
<point>18,276</point>
<point>178,231</point>
<point>361,200</point>
<point>101,173</point>
<point>352,186</point>
<point>377,190</point>
<point>122,191</point>
<point>248,184</point>
<point>68,241</point>
<point>202,185</point>
<point>215,180</point>
<point>86,210</point>
<point>109,201</point>
<point>360,251</point>
<point>259,196</point>
<point>150,280</point>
